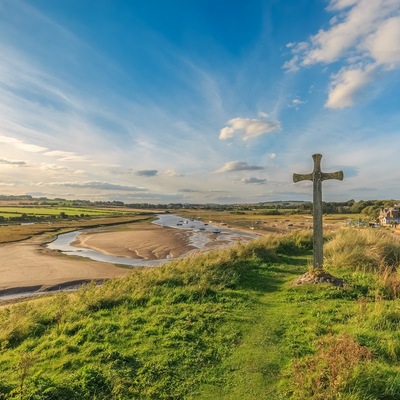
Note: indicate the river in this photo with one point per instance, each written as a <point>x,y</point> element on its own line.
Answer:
<point>202,234</point>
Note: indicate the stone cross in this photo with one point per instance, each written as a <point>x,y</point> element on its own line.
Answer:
<point>317,176</point>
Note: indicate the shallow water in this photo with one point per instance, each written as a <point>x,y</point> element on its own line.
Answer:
<point>198,238</point>
<point>63,244</point>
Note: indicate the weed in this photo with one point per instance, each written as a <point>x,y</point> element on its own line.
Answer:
<point>326,373</point>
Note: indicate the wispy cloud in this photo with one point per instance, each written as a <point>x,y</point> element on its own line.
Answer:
<point>172,173</point>
<point>66,156</point>
<point>93,185</point>
<point>19,144</point>
<point>235,166</point>
<point>254,181</point>
<point>189,191</point>
<point>365,35</point>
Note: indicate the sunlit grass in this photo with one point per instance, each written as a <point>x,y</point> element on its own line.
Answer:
<point>228,324</point>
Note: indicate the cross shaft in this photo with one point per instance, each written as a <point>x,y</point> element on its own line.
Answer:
<point>317,176</point>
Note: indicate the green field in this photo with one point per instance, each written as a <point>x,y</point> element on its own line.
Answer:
<point>53,211</point>
<point>228,324</point>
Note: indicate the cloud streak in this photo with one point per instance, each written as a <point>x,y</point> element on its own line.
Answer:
<point>238,166</point>
<point>93,185</point>
<point>252,181</point>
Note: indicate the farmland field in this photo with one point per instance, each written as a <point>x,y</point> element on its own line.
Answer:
<point>7,211</point>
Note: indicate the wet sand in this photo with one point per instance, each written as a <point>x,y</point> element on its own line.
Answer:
<point>147,242</point>
<point>29,267</point>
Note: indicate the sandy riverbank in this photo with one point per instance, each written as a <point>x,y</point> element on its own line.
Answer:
<point>26,266</point>
<point>148,242</point>
<point>29,266</point>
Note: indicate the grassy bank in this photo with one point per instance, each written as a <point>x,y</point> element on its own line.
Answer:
<point>228,324</point>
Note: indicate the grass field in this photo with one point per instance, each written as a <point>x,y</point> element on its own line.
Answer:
<point>228,324</point>
<point>7,211</point>
<point>257,220</point>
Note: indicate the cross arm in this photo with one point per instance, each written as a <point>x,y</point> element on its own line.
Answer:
<point>332,175</point>
<point>302,177</point>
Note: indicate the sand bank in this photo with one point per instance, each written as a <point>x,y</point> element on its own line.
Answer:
<point>148,242</point>
<point>27,266</point>
<point>30,266</point>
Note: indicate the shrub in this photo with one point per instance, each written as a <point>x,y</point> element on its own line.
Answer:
<point>325,374</point>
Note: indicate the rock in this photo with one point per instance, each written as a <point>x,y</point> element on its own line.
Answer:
<point>318,276</point>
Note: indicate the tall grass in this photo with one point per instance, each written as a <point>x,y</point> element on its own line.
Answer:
<point>365,249</point>
<point>372,255</point>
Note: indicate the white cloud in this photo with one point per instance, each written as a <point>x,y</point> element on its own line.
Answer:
<point>66,155</point>
<point>254,181</point>
<point>234,166</point>
<point>345,87</point>
<point>172,172</point>
<point>248,128</point>
<point>226,133</point>
<point>272,156</point>
<point>52,167</point>
<point>364,35</point>
<point>384,44</point>
<point>19,144</point>
<point>31,148</point>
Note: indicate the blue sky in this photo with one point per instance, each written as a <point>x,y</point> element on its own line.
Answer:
<point>199,101</point>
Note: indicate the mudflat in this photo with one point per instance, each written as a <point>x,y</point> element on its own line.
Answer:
<point>143,241</point>
<point>29,266</point>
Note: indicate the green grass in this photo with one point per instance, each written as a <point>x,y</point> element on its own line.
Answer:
<point>228,324</point>
<point>11,211</point>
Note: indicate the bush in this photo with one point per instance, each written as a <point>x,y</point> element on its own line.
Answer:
<point>325,374</point>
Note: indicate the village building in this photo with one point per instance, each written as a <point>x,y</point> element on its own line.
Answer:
<point>390,215</point>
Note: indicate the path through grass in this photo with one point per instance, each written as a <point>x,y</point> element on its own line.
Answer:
<point>253,369</point>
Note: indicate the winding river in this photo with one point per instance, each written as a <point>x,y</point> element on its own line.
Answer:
<point>202,234</point>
